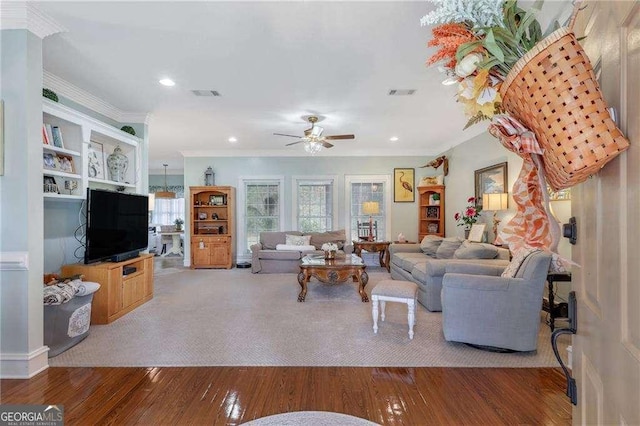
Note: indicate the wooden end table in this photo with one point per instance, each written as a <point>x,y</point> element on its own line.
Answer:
<point>556,310</point>
<point>374,246</point>
<point>332,271</point>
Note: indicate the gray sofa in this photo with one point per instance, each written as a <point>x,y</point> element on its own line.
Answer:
<point>426,263</point>
<point>266,259</point>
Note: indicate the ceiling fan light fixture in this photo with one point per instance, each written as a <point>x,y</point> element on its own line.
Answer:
<point>312,147</point>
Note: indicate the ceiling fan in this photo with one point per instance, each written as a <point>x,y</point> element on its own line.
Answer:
<point>313,136</point>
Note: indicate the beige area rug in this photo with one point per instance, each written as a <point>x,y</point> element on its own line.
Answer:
<point>310,418</point>
<point>236,318</point>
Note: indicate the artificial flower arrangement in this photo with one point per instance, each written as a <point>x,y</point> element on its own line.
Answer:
<point>479,41</point>
<point>329,247</point>
<point>469,215</point>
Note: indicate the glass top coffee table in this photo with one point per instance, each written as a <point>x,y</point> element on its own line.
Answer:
<point>333,271</point>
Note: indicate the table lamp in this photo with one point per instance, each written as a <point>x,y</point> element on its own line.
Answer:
<point>370,208</point>
<point>495,202</point>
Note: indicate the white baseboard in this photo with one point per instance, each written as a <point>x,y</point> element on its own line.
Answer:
<point>24,365</point>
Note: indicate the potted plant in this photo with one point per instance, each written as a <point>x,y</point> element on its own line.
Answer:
<point>178,223</point>
<point>468,216</point>
<point>435,199</point>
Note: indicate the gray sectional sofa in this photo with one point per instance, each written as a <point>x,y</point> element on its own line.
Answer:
<point>266,258</point>
<point>427,262</point>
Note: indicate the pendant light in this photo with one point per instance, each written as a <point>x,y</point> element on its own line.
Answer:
<point>166,193</point>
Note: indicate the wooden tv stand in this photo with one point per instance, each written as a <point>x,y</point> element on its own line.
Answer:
<point>119,294</point>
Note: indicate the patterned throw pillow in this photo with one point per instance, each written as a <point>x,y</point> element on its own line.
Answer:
<point>518,258</point>
<point>297,240</point>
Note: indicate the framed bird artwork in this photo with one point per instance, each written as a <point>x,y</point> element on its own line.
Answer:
<point>404,183</point>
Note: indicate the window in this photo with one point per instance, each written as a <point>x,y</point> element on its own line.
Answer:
<point>361,189</point>
<point>314,204</point>
<point>261,203</point>
<point>167,210</point>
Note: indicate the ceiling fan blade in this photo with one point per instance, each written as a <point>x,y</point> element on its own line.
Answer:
<point>327,144</point>
<point>293,143</point>
<point>282,134</point>
<point>337,137</point>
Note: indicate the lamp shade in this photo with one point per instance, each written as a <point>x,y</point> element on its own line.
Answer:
<point>370,207</point>
<point>495,202</point>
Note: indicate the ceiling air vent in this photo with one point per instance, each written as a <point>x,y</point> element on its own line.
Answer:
<point>401,92</point>
<point>206,92</point>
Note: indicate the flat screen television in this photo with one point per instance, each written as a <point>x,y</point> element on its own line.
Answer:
<point>117,225</point>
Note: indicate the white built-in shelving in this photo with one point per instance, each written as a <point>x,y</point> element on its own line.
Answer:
<point>83,135</point>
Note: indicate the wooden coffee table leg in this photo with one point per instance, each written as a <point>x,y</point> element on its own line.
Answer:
<point>363,279</point>
<point>303,279</point>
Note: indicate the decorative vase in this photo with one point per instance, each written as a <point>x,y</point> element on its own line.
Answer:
<point>118,163</point>
<point>329,255</point>
<point>466,233</point>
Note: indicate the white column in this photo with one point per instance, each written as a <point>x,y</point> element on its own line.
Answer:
<point>22,353</point>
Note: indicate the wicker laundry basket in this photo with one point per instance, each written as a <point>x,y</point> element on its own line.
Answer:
<point>553,91</point>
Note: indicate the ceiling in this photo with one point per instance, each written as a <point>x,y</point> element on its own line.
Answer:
<point>272,63</point>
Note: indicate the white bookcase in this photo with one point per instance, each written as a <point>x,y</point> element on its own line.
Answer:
<point>83,135</point>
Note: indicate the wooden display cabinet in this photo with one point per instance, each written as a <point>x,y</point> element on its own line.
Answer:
<point>212,210</point>
<point>431,213</point>
<point>118,294</point>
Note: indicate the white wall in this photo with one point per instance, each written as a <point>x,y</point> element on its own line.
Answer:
<point>404,216</point>
<point>477,153</point>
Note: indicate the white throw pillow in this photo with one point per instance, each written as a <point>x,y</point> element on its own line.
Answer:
<point>295,247</point>
<point>297,240</point>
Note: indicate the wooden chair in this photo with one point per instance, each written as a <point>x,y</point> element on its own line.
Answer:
<point>363,230</point>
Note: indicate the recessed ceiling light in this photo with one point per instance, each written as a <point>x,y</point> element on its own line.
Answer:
<point>167,82</point>
<point>393,139</point>
<point>232,139</point>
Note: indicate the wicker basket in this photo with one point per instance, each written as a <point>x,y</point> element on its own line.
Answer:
<point>553,91</point>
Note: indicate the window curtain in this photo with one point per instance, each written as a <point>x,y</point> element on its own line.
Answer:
<point>167,210</point>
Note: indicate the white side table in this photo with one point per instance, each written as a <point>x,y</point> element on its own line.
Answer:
<point>394,291</point>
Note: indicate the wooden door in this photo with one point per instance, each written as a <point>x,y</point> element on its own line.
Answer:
<point>220,254</point>
<point>606,350</point>
<point>200,252</point>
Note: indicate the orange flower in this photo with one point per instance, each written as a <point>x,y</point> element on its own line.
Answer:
<point>449,37</point>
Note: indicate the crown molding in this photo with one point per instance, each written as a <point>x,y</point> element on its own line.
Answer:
<point>135,117</point>
<point>21,15</point>
<point>86,99</point>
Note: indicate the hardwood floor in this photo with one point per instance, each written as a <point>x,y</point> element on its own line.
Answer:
<point>233,395</point>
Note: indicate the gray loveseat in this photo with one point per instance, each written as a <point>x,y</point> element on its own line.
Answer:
<point>267,259</point>
<point>426,263</point>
